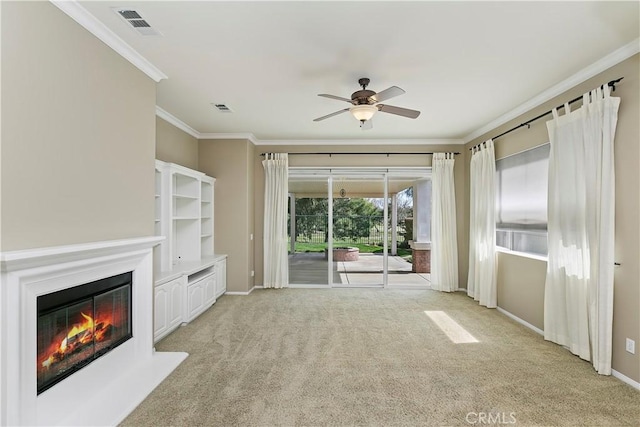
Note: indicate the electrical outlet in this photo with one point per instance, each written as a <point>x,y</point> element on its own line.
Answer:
<point>631,346</point>
<point>253,273</point>
<point>251,236</point>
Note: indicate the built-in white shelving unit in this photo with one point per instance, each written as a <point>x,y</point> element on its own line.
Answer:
<point>189,274</point>
<point>206,216</point>
<point>159,225</point>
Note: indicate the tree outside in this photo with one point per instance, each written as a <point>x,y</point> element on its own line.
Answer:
<point>357,222</point>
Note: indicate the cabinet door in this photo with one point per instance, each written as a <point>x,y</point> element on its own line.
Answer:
<point>221,279</point>
<point>209,290</point>
<point>161,315</point>
<point>174,315</point>
<point>195,299</point>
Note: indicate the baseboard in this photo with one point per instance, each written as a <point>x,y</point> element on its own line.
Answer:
<point>625,379</point>
<point>462,290</point>
<point>243,293</point>
<point>519,320</point>
<point>618,375</point>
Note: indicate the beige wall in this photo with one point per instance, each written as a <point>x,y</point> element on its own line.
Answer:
<point>174,145</point>
<point>227,161</point>
<point>520,282</point>
<point>514,287</point>
<point>355,161</point>
<point>78,134</point>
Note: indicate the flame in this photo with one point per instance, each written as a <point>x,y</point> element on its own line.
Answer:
<point>80,334</point>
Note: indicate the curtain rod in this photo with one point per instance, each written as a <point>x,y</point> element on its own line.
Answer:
<point>335,154</point>
<point>611,84</point>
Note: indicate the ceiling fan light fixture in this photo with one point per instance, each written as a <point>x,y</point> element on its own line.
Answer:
<point>363,112</point>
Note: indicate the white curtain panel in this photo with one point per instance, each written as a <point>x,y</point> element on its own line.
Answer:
<point>481,283</point>
<point>276,192</point>
<point>578,303</point>
<point>444,243</point>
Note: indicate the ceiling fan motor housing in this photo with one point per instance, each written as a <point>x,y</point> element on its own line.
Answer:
<point>362,97</point>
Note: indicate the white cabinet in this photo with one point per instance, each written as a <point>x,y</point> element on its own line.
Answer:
<point>159,252</point>
<point>168,307</point>
<point>200,292</point>
<point>189,276</point>
<point>206,216</point>
<point>184,215</point>
<point>221,276</point>
<point>182,295</point>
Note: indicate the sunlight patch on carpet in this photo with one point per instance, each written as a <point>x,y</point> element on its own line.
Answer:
<point>456,333</point>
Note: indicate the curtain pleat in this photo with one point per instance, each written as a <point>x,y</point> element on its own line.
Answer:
<point>444,243</point>
<point>481,283</point>
<point>578,304</point>
<point>276,193</point>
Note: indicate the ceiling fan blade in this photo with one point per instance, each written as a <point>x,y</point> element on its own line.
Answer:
<point>387,94</point>
<point>398,111</point>
<point>368,124</point>
<point>339,98</point>
<point>330,115</point>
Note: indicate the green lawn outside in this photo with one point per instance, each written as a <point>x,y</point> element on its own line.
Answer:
<point>364,248</point>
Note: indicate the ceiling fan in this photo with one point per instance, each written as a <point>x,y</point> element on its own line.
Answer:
<point>365,103</point>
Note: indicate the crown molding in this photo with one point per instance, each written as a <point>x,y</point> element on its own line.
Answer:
<point>305,142</point>
<point>586,73</point>
<point>238,135</point>
<point>102,32</point>
<point>165,115</point>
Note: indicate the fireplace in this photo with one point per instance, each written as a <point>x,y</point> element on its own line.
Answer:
<point>75,326</point>
<point>53,375</point>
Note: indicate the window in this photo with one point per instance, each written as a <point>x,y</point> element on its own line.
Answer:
<point>521,201</point>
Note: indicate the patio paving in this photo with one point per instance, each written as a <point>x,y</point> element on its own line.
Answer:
<point>311,269</point>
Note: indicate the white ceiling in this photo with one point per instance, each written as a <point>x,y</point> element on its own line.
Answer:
<point>462,64</point>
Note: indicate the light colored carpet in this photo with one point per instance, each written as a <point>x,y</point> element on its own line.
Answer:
<point>345,357</point>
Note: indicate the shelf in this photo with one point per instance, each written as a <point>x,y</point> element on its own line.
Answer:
<point>185,209</point>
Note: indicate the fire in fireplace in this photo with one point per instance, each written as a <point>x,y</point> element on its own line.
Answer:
<point>80,324</point>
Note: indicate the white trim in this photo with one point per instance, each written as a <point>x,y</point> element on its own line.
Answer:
<point>625,379</point>
<point>102,32</point>
<point>392,142</point>
<point>247,135</point>
<point>31,258</point>
<point>461,290</point>
<point>522,254</point>
<point>165,115</point>
<point>586,73</point>
<point>519,320</point>
<point>243,293</point>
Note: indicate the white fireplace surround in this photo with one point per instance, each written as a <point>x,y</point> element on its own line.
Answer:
<point>108,389</point>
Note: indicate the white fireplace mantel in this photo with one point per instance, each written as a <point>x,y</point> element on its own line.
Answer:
<point>108,389</point>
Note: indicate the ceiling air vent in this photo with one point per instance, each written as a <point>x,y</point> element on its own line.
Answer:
<point>223,108</point>
<point>137,22</point>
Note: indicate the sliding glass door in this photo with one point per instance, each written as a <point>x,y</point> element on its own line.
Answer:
<point>352,227</point>
<point>359,232</point>
<point>308,229</point>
